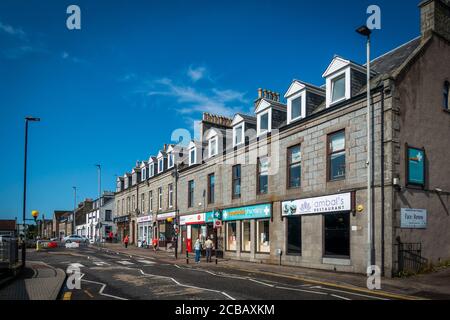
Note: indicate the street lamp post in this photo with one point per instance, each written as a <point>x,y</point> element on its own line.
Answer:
<point>27,119</point>
<point>366,32</point>
<point>99,176</point>
<point>74,208</point>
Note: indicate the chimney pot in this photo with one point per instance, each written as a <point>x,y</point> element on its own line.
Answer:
<point>259,93</point>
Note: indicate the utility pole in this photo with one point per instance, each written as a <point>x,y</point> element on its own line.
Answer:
<point>74,208</point>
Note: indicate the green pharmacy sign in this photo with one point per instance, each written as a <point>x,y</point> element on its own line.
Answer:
<point>416,166</point>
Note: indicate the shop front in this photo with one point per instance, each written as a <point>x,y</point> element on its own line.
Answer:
<point>247,230</point>
<point>145,231</point>
<point>123,227</point>
<point>164,229</point>
<point>193,227</point>
<point>328,216</point>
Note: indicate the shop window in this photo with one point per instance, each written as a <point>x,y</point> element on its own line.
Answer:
<point>191,187</point>
<point>336,156</point>
<point>263,175</point>
<point>211,188</point>
<point>294,166</point>
<point>262,232</point>
<point>246,240</point>
<point>337,235</point>
<point>231,236</point>
<point>294,235</point>
<point>236,181</point>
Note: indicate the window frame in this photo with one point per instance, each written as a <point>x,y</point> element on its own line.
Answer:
<point>160,167</point>
<point>331,256</point>
<point>329,154</point>
<point>289,164</point>
<point>257,242</point>
<point>216,149</point>
<point>242,127</point>
<point>249,222</point>
<point>302,96</point>
<point>333,80</point>
<point>260,132</point>
<point>191,188</point>
<point>170,195</point>
<point>446,96</point>
<point>150,200</point>
<point>170,158</point>
<point>160,200</point>
<point>152,169</point>
<point>192,150</point>
<point>234,179</point>
<point>211,195</point>
<point>290,253</point>
<point>258,175</point>
<point>227,243</point>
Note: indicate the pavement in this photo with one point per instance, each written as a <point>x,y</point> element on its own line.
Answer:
<point>38,281</point>
<point>435,285</point>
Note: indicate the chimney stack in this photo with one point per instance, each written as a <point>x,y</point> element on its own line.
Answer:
<point>435,17</point>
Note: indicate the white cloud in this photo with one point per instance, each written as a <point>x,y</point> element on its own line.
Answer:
<point>66,56</point>
<point>196,74</point>
<point>15,32</point>
<point>190,100</point>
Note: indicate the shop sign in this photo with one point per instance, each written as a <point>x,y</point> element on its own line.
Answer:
<point>413,218</point>
<point>334,203</point>
<point>144,219</point>
<point>250,212</point>
<point>121,219</point>
<point>192,219</point>
<point>213,215</point>
<point>415,166</point>
<point>164,216</point>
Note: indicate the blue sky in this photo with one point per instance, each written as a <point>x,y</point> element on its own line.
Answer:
<point>113,92</point>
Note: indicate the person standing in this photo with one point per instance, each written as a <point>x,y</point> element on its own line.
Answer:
<point>125,241</point>
<point>198,250</point>
<point>155,244</point>
<point>209,246</point>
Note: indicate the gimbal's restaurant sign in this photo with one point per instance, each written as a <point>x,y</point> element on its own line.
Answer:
<point>334,203</point>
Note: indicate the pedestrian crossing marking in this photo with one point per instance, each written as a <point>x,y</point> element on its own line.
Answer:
<point>145,262</point>
<point>101,263</point>
<point>125,262</point>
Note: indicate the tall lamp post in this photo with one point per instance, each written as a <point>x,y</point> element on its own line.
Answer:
<point>99,176</point>
<point>27,119</point>
<point>366,32</point>
<point>74,208</point>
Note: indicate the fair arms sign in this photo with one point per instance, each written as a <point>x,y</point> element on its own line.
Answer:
<point>335,203</point>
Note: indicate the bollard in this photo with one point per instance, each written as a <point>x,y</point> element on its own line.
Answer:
<point>216,260</point>
<point>187,257</point>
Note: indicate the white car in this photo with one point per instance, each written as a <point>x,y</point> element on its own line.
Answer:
<point>75,238</point>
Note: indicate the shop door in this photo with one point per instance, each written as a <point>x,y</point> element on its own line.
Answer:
<point>183,239</point>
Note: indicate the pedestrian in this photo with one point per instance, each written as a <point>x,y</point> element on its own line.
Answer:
<point>209,245</point>
<point>125,241</point>
<point>198,250</point>
<point>155,244</point>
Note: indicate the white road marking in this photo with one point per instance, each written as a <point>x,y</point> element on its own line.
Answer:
<point>185,285</point>
<point>302,290</point>
<point>101,263</point>
<point>260,282</point>
<point>349,292</point>
<point>102,288</point>
<point>145,261</point>
<point>77,265</point>
<point>340,297</point>
<point>125,262</point>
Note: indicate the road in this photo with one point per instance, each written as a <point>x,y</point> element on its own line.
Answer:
<point>110,275</point>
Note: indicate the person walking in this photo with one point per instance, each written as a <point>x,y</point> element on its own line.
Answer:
<point>155,244</point>
<point>198,250</point>
<point>209,245</point>
<point>125,241</point>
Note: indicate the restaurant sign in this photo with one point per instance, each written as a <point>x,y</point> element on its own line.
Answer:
<point>250,212</point>
<point>334,203</point>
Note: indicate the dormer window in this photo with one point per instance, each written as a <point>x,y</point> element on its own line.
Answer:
<point>160,165</point>
<point>192,156</point>
<point>144,173</point>
<point>264,122</point>
<point>338,88</point>
<point>151,169</point>
<point>296,106</point>
<point>170,157</point>
<point>213,147</point>
<point>238,135</point>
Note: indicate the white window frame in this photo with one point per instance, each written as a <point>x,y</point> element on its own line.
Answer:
<point>170,158</point>
<point>301,95</point>
<point>144,173</point>
<point>160,198</point>
<point>242,126</point>
<point>192,149</point>
<point>329,84</point>
<point>150,198</point>
<point>161,167</point>
<point>269,124</point>
<point>170,187</point>
<point>152,169</point>
<point>216,149</point>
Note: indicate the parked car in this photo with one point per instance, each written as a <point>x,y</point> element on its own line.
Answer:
<point>75,238</point>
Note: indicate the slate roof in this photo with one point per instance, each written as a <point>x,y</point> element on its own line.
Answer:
<point>247,118</point>
<point>390,61</point>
